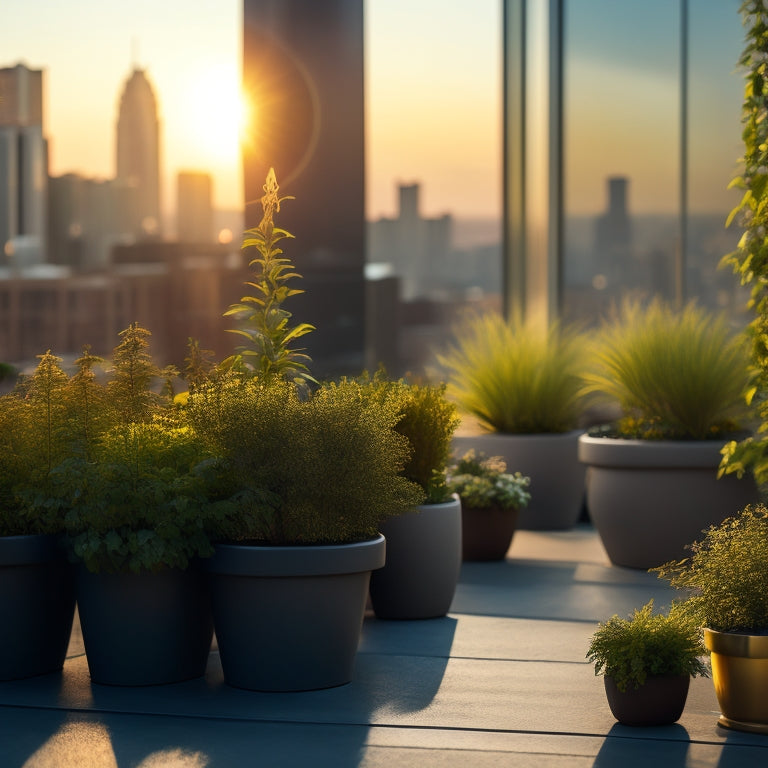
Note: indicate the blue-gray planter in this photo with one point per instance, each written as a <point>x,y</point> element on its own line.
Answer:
<point>145,628</point>
<point>289,618</point>
<point>423,563</point>
<point>37,605</point>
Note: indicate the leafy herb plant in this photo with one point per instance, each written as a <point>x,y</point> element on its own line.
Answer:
<point>516,378</point>
<point>483,482</point>
<point>265,323</point>
<point>675,375</point>
<point>629,650</point>
<point>727,574</point>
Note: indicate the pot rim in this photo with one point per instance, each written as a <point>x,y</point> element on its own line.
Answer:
<point>742,644</point>
<point>621,452</point>
<point>269,561</point>
<point>30,548</point>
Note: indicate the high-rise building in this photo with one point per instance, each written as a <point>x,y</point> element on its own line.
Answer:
<point>138,152</point>
<point>23,165</point>
<point>306,83</point>
<point>194,209</point>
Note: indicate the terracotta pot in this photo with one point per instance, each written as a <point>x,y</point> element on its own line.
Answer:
<point>551,461</point>
<point>740,676</point>
<point>486,532</point>
<point>423,563</point>
<point>659,701</point>
<point>289,618</point>
<point>649,499</point>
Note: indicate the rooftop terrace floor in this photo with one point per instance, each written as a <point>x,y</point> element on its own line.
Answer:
<point>501,681</point>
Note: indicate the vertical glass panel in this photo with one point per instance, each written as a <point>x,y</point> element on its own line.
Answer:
<point>621,152</point>
<point>433,169</point>
<point>715,94</point>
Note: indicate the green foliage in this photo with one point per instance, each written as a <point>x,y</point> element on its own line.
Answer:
<point>323,468</point>
<point>264,321</point>
<point>140,503</point>
<point>750,258</point>
<point>675,375</point>
<point>484,482</point>
<point>428,420</point>
<point>629,650</point>
<point>7,372</point>
<point>516,378</point>
<point>727,574</point>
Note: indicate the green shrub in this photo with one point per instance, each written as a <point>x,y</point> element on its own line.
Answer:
<point>675,375</point>
<point>727,574</point>
<point>629,650</point>
<point>323,468</point>
<point>483,482</point>
<point>516,378</point>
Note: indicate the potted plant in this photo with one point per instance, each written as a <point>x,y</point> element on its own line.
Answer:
<point>490,500</point>
<point>136,515</point>
<point>648,661</point>
<point>727,578</point>
<point>37,591</point>
<point>679,378</point>
<point>311,472</point>
<point>522,384</point>
<point>423,547</point>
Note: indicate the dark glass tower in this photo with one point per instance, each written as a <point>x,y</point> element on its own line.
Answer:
<point>138,153</point>
<point>303,72</point>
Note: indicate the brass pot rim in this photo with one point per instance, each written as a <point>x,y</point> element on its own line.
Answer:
<point>742,644</point>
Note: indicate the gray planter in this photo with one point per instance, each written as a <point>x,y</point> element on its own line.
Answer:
<point>289,618</point>
<point>423,563</point>
<point>551,461</point>
<point>37,605</point>
<point>145,628</point>
<point>649,499</point>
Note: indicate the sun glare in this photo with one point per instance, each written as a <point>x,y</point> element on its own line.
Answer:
<point>216,116</point>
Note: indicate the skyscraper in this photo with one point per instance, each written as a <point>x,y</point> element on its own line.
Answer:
<point>194,210</point>
<point>23,163</point>
<point>138,152</point>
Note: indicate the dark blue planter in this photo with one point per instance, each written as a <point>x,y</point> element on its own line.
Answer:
<point>145,628</point>
<point>289,618</point>
<point>37,605</point>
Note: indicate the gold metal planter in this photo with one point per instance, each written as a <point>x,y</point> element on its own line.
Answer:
<point>740,676</point>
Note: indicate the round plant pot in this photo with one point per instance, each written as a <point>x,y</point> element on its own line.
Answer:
<point>423,563</point>
<point>658,701</point>
<point>37,605</point>
<point>486,532</point>
<point>648,499</point>
<point>289,618</point>
<point>740,676</point>
<point>145,628</point>
<point>550,460</point>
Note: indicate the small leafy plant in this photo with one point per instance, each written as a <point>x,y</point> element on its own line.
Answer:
<point>515,377</point>
<point>630,650</point>
<point>264,321</point>
<point>727,574</point>
<point>675,375</point>
<point>322,469</point>
<point>484,482</point>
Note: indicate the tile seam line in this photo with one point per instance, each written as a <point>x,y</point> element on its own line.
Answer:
<point>389,726</point>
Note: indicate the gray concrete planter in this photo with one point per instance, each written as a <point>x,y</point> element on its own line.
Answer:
<point>740,675</point>
<point>145,628</point>
<point>289,618</point>
<point>423,563</point>
<point>550,460</point>
<point>649,499</point>
<point>37,605</point>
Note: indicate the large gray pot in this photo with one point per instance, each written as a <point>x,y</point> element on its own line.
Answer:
<point>649,499</point>
<point>37,605</point>
<point>289,618</point>
<point>145,628</point>
<point>423,563</point>
<point>551,461</point>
